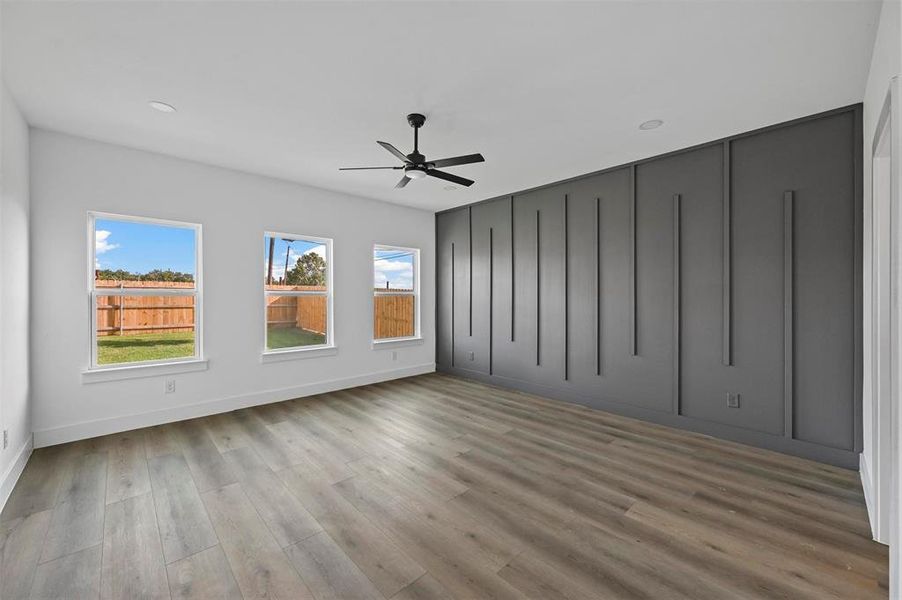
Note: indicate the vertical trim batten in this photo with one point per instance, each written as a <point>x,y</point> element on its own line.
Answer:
<point>566,288</point>
<point>598,286</point>
<point>470,269</point>
<point>452,304</point>
<point>676,303</point>
<point>727,282</point>
<point>633,344</point>
<point>538,291</point>
<point>491,296</point>
<point>513,273</point>
<point>788,325</point>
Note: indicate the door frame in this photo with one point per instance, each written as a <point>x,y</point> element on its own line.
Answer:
<point>882,458</point>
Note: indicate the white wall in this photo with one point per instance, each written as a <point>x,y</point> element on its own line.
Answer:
<point>15,413</point>
<point>71,176</point>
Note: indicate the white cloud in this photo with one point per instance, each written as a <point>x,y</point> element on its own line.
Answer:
<point>101,245</point>
<point>393,265</point>
<point>398,273</point>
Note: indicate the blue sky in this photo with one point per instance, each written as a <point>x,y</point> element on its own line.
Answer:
<point>295,250</point>
<point>143,247</point>
<point>394,267</point>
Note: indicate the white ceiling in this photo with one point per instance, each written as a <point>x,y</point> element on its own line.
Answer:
<point>545,91</point>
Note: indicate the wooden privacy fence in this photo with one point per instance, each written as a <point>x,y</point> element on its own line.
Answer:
<point>134,315</point>
<point>304,312</point>
<point>393,315</point>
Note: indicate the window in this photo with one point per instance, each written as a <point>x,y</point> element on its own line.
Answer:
<point>396,291</point>
<point>297,275</point>
<point>145,290</point>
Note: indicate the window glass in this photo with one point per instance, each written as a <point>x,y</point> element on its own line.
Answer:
<point>395,302</point>
<point>296,287</point>
<point>143,291</point>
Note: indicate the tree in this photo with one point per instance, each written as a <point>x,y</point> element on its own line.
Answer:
<point>167,275</point>
<point>154,275</point>
<point>310,269</point>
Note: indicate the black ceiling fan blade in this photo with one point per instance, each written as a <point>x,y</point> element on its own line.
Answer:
<point>365,168</point>
<point>450,177</point>
<point>458,160</point>
<point>404,181</point>
<point>394,151</point>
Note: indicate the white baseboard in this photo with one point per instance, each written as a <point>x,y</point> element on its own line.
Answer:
<point>89,429</point>
<point>11,476</point>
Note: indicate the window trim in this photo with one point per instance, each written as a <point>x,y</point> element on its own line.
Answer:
<point>93,293</point>
<point>417,333</point>
<point>324,349</point>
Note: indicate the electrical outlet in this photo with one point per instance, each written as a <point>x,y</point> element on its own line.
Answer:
<point>5,438</point>
<point>732,400</point>
<point>471,355</point>
<point>170,386</point>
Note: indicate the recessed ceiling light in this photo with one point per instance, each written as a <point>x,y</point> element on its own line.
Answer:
<point>653,124</point>
<point>161,106</point>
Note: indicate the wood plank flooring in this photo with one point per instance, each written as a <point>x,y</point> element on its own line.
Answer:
<point>432,487</point>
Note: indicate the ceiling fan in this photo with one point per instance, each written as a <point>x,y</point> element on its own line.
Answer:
<point>415,164</point>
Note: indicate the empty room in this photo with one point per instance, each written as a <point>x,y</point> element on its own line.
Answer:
<point>457,299</point>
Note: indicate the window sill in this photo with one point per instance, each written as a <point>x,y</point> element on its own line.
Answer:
<point>396,343</point>
<point>117,373</point>
<point>298,353</point>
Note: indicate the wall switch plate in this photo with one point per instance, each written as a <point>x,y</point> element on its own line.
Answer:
<point>732,400</point>
<point>170,386</point>
<point>5,438</point>
<point>471,355</point>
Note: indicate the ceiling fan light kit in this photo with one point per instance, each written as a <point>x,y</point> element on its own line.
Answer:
<point>415,164</point>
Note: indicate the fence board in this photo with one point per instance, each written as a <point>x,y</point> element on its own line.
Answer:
<point>393,316</point>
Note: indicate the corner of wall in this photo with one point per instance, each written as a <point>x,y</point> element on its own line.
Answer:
<point>14,471</point>
<point>15,396</point>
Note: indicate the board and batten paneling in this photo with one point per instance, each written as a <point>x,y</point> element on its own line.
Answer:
<point>661,288</point>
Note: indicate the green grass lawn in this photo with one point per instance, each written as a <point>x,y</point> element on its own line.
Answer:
<point>290,337</point>
<point>114,349</point>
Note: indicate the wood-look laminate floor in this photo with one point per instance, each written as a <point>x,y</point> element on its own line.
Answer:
<point>431,487</point>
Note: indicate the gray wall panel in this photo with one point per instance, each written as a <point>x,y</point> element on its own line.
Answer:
<point>538,353</point>
<point>814,161</point>
<point>454,283</point>
<point>443,291</point>
<point>582,299</point>
<point>661,294</point>
<point>491,280</point>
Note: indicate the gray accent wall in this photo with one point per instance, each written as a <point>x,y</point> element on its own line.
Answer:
<point>677,287</point>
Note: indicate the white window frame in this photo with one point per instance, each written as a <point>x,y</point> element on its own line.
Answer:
<point>417,335</point>
<point>137,369</point>
<point>325,349</point>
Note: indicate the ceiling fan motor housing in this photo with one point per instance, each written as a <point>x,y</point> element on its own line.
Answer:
<point>416,120</point>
